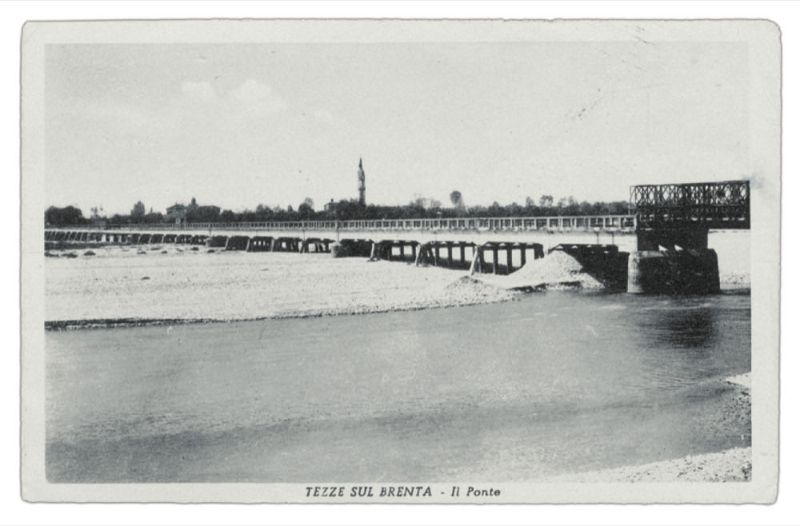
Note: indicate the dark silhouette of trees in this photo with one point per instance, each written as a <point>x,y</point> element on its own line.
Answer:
<point>153,218</point>
<point>420,207</point>
<point>306,209</point>
<point>203,214</point>
<point>69,215</point>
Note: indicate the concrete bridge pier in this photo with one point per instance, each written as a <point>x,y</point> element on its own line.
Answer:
<point>670,272</point>
<point>319,244</point>
<point>217,241</point>
<point>286,244</point>
<point>260,244</point>
<point>480,265</point>
<point>352,248</point>
<point>673,261</point>
<point>670,238</point>
<point>238,243</point>
<point>385,250</point>
<point>430,253</point>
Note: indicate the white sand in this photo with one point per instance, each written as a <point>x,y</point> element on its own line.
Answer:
<point>556,270</point>
<point>732,465</point>
<point>117,284</point>
<point>177,283</point>
<point>742,380</point>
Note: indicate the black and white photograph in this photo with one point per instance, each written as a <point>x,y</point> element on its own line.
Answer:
<point>397,261</point>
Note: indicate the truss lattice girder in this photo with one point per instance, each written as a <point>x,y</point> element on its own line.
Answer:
<point>710,205</point>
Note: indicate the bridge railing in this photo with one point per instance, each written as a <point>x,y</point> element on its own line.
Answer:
<point>612,222</point>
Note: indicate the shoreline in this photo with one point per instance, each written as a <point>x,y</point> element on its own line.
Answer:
<point>118,288</point>
<point>122,323</point>
<point>123,290</point>
<point>728,465</point>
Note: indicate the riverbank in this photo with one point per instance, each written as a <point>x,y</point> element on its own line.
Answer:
<point>124,287</point>
<point>169,285</point>
<point>729,465</point>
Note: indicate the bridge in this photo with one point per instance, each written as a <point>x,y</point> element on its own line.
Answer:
<point>682,214</point>
<point>485,244</point>
<point>672,225</point>
<point>615,223</point>
<point>724,205</point>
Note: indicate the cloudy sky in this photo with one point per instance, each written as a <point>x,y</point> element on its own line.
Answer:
<point>241,124</point>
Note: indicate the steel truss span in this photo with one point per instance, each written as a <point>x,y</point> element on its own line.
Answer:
<point>723,205</point>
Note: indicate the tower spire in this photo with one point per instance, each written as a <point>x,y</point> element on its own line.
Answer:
<point>362,184</point>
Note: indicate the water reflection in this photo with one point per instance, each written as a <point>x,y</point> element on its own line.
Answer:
<point>685,328</point>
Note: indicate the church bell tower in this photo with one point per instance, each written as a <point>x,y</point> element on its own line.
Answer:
<point>362,184</point>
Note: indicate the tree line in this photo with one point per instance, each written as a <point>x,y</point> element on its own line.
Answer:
<point>343,210</point>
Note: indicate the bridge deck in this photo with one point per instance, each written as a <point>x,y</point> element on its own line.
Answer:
<point>575,223</point>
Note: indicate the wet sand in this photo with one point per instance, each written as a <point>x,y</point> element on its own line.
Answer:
<point>730,465</point>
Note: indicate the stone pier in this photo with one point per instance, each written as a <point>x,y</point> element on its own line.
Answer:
<point>286,244</point>
<point>217,241</point>
<point>238,243</point>
<point>317,244</point>
<point>260,244</point>
<point>504,250</point>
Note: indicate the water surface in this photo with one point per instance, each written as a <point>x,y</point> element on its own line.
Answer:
<point>556,382</point>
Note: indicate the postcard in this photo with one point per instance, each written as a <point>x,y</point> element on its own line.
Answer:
<point>401,261</point>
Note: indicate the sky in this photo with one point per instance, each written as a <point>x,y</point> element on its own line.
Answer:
<point>239,125</point>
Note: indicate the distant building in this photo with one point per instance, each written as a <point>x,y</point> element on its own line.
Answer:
<point>177,213</point>
<point>362,184</point>
<point>330,207</point>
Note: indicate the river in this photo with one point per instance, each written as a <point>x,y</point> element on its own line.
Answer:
<point>554,383</point>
